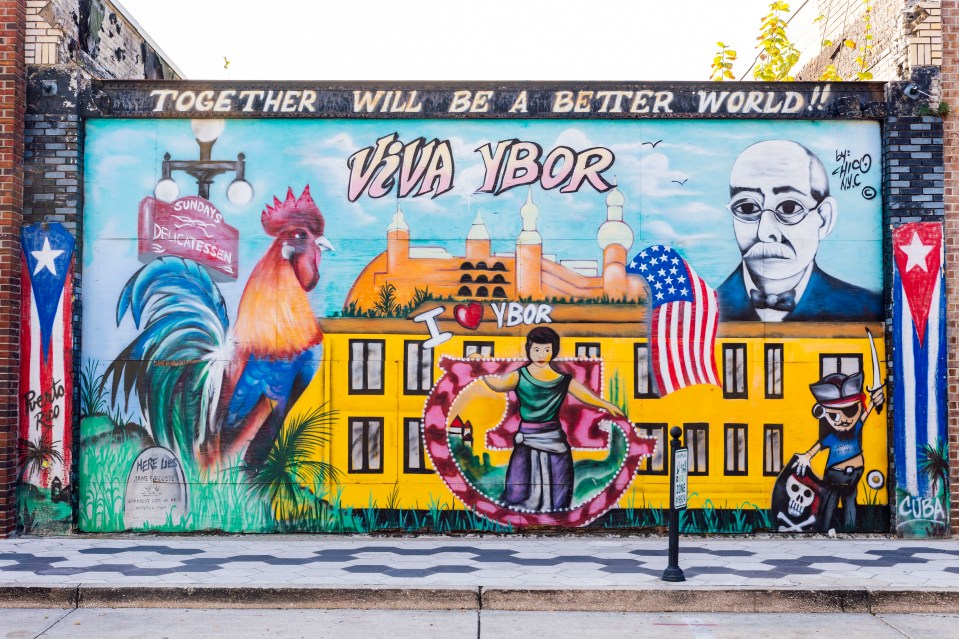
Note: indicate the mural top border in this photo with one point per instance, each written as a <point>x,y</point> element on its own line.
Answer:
<point>488,100</point>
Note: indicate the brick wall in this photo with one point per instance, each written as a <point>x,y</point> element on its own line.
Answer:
<point>950,94</point>
<point>96,34</point>
<point>12,107</point>
<point>63,44</point>
<point>905,34</point>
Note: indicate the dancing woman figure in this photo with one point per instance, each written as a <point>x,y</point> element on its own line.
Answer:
<point>539,477</point>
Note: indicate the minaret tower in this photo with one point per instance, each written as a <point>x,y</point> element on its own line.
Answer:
<point>615,238</point>
<point>397,242</point>
<point>477,240</point>
<point>529,253</point>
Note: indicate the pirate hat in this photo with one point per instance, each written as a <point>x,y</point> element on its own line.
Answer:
<point>838,390</point>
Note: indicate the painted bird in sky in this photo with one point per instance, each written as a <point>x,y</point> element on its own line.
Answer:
<point>215,393</point>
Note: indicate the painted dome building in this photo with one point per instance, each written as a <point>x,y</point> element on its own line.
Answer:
<point>480,274</point>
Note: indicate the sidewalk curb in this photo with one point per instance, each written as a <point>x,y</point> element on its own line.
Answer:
<point>774,600</point>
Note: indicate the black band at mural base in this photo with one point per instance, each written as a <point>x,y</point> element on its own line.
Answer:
<point>723,521</point>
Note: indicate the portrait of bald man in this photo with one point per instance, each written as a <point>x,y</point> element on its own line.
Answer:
<point>781,210</point>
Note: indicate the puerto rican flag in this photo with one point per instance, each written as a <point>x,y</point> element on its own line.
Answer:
<point>46,342</point>
<point>919,349</point>
<point>684,320</point>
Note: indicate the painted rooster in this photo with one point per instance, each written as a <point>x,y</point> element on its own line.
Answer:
<point>209,392</point>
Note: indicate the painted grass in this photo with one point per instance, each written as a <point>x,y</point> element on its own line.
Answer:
<point>39,515</point>
<point>224,501</point>
<point>217,503</point>
<point>104,467</point>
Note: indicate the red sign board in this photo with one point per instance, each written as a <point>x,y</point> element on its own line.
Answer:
<point>191,228</point>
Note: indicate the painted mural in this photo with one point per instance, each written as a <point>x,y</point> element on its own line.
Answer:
<point>428,325</point>
<point>919,353</point>
<point>44,485</point>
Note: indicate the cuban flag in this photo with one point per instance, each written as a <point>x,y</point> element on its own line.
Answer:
<point>684,320</point>
<point>919,349</point>
<point>46,346</point>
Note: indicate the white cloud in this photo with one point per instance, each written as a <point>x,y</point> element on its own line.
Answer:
<point>574,139</point>
<point>652,176</point>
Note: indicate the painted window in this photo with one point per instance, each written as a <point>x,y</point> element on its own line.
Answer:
<point>774,371</point>
<point>587,349</point>
<point>734,371</point>
<point>845,363</point>
<point>696,437</point>
<point>366,445</point>
<point>645,385</point>
<point>772,449</point>
<point>482,291</point>
<point>414,454</point>
<point>417,368</point>
<point>483,348</point>
<point>657,464</point>
<point>736,456</point>
<point>366,366</point>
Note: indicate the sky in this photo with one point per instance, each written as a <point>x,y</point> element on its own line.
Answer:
<point>448,40</point>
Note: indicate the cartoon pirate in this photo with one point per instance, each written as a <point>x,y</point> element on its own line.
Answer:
<point>841,410</point>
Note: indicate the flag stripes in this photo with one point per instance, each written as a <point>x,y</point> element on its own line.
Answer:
<point>684,320</point>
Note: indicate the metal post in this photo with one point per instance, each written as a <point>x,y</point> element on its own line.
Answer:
<point>673,572</point>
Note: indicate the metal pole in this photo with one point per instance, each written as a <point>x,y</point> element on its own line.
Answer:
<point>673,572</point>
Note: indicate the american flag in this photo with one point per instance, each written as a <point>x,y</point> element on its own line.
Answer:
<point>685,317</point>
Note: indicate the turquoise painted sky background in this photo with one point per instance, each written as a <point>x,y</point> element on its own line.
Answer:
<point>123,158</point>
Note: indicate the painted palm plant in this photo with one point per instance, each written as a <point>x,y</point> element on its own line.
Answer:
<point>293,466</point>
<point>37,455</point>
<point>934,464</point>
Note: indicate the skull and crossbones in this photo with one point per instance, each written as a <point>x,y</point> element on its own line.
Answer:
<point>800,498</point>
<point>795,526</point>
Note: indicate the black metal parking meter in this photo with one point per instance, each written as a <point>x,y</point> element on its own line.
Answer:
<point>678,485</point>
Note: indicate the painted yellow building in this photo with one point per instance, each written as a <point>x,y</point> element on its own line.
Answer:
<point>377,376</point>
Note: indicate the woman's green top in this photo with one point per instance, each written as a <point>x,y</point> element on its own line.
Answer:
<point>540,401</point>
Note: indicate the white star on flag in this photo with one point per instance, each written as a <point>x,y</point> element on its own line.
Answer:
<point>684,320</point>
<point>916,252</point>
<point>45,258</point>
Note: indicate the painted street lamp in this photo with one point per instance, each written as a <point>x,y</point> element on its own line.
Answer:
<point>205,169</point>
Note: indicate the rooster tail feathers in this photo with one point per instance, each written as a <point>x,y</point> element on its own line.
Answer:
<point>174,281</point>
<point>175,363</point>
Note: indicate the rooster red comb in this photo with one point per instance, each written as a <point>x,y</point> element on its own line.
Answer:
<point>293,212</point>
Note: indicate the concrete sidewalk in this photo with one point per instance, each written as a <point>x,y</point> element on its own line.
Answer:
<point>779,574</point>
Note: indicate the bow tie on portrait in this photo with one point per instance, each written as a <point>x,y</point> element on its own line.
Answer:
<point>785,301</point>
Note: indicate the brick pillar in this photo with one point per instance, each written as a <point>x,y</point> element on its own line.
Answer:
<point>912,192</point>
<point>950,94</point>
<point>12,108</point>
<point>53,192</point>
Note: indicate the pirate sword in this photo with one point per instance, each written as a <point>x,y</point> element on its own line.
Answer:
<point>876,375</point>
